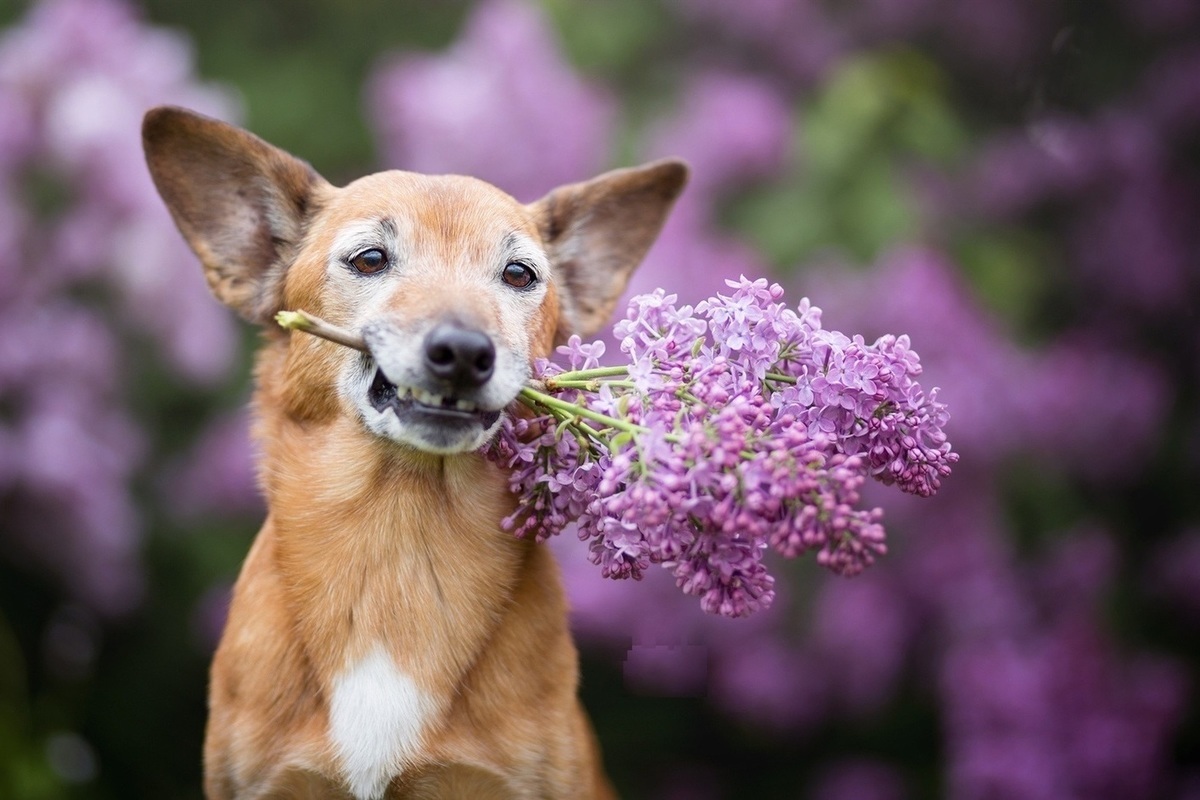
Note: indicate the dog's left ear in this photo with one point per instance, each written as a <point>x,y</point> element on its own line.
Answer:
<point>597,232</point>
<point>240,203</point>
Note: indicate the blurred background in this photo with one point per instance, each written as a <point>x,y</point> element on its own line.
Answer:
<point>1014,183</point>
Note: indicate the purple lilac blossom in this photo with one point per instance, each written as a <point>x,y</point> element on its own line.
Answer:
<point>746,426</point>
<point>501,104</point>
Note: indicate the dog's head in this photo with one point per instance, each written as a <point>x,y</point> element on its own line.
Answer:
<point>455,285</point>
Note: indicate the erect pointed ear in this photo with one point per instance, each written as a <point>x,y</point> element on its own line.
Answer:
<point>598,231</point>
<point>241,203</point>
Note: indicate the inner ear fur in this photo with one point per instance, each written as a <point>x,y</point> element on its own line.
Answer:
<point>241,203</point>
<point>598,231</point>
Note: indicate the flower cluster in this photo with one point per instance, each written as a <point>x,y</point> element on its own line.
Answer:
<point>739,425</point>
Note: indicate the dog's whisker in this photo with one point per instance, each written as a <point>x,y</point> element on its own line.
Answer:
<point>310,323</point>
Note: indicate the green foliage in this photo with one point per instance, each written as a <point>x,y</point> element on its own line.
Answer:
<point>609,37</point>
<point>879,114</point>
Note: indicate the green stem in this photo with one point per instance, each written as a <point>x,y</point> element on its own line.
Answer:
<point>552,403</point>
<point>587,386</point>
<point>588,374</point>
<point>303,321</point>
<point>775,376</point>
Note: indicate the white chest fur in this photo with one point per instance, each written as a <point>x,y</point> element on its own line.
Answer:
<point>377,715</point>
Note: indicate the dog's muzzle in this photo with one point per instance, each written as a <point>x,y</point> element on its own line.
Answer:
<point>437,387</point>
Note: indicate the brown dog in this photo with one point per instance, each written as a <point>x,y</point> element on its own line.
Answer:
<point>386,637</point>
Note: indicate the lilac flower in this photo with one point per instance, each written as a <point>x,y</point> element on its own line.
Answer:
<point>741,426</point>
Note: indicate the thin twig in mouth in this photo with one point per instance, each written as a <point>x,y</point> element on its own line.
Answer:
<point>308,323</point>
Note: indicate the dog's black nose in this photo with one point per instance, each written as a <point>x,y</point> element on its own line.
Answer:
<point>463,357</point>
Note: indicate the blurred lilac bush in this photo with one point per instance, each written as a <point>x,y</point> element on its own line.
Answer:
<point>89,265</point>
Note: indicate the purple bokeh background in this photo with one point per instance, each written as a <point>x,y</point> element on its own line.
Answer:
<point>1020,605</point>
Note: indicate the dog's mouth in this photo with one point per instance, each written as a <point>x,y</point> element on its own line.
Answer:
<point>405,401</point>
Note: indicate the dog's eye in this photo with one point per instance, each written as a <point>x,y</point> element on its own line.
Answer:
<point>368,262</point>
<point>519,275</point>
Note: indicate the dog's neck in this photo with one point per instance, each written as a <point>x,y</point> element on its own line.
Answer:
<point>378,546</point>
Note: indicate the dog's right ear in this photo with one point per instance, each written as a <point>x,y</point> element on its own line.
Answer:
<point>240,203</point>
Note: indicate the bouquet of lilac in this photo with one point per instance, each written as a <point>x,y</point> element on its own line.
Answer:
<point>738,425</point>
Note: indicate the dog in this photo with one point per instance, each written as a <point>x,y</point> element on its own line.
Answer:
<point>386,638</point>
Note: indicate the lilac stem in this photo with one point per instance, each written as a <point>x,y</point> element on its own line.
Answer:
<point>308,323</point>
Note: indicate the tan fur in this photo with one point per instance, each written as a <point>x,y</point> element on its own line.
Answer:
<point>368,541</point>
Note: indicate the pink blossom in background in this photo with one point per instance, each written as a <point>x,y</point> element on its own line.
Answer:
<point>1172,575</point>
<point>862,633</point>
<point>667,670</point>
<point>797,36</point>
<point>1020,169</point>
<point>209,615</point>
<point>1074,407</point>
<point>501,104</point>
<point>1170,90</point>
<point>732,130</point>
<point>1006,399</point>
<point>1077,572</point>
<point>85,71</point>
<point>75,79</point>
<point>1057,716</point>
<point>1130,241</point>
<point>859,779</point>
<point>68,451</point>
<point>805,39</point>
<point>1135,243</point>
<point>217,475</point>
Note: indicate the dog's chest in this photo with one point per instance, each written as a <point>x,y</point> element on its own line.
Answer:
<point>377,718</point>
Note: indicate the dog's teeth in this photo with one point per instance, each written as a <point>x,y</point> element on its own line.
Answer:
<point>428,398</point>
<point>402,392</point>
<point>465,405</point>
